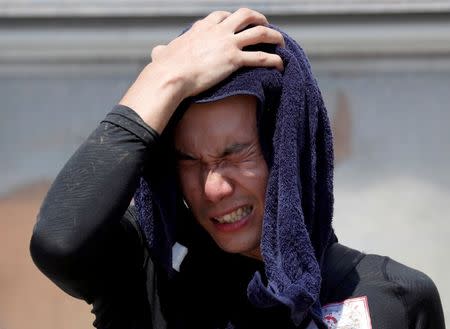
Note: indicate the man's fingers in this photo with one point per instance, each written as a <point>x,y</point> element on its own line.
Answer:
<point>216,17</point>
<point>244,17</point>
<point>262,59</point>
<point>259,34</point>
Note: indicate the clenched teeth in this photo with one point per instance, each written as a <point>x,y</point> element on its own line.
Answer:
<point>235,215</point>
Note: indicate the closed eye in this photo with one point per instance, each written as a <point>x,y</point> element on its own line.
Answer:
<point>235,149</point>
<point>180,156</point>
<point>244,151</point>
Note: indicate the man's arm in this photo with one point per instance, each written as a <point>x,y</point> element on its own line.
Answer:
<point>419,295</point>
<point>80,235</point>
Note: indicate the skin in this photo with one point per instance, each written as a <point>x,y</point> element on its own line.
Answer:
<point>221,168</point>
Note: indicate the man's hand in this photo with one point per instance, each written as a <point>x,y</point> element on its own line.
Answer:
<point>212,49</point>
<point>200,58</point>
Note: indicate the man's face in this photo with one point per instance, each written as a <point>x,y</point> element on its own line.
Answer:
<point>222,171</point>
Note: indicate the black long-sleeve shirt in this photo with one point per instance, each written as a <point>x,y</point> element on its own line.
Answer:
<point>85,241</point>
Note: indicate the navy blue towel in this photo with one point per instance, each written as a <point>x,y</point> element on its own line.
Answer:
<point>299,199</point>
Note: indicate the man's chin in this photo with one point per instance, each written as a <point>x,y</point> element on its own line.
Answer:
<point>245,250</point>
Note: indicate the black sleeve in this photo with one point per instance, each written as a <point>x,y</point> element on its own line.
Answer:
<point>83,240</point>
<point>398,296</point>
<point>419,295</point>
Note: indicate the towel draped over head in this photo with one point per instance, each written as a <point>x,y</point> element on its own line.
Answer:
<point>299,198</point>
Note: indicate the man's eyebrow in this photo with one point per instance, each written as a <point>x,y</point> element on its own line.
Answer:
<point>229,150</point>
<point>234,148</point>
<point>180,155</point>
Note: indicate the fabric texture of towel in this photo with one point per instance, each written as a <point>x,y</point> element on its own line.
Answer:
<point>299,198</point>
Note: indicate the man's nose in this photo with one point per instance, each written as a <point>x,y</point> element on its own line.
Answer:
<point>217,186</point>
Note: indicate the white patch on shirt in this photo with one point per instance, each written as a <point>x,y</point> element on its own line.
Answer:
<point>178,253</point>
<point>351,313</point>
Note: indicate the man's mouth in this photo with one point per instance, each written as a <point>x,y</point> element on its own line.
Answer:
<point>235,215</point>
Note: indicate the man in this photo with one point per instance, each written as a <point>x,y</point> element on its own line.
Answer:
<point>232,169</point>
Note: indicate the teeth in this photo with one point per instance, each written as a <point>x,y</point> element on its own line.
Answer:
<point>235,215</point>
